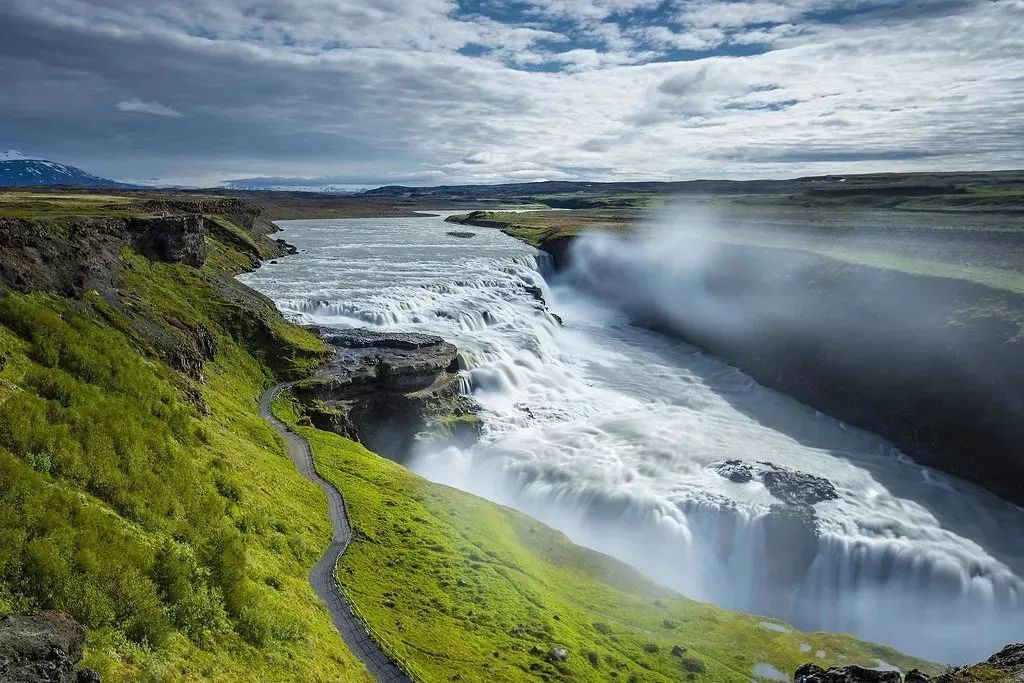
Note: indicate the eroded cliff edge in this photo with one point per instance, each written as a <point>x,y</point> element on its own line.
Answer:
<point>934,364</point>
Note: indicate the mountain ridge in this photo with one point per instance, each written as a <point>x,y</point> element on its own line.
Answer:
<point>22,170</point>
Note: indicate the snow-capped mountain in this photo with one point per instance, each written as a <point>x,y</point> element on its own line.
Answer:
<point>20,170</point>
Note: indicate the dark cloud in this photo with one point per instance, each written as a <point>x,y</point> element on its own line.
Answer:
<point>441,91</point>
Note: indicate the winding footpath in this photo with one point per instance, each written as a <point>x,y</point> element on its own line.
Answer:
<point>321,577</point>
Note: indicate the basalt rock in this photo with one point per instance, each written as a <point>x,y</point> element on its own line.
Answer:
<point>790,486</point>
<point>42,648</point>
<point>175,239</point>
<point>791,523</point>
<point>812,673</point>
<point>390,390</point>
<point>1006,666</point>
<point>78,254</point>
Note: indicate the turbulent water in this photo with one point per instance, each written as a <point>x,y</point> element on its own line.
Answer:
<point>607,431</point>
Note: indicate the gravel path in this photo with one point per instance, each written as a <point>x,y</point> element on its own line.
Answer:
<point>321,577</point>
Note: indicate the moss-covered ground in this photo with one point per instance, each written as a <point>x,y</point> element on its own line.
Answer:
<point>462,589</point>
<point>155,507</point>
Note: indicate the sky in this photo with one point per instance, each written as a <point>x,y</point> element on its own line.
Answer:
<point>426,92</point>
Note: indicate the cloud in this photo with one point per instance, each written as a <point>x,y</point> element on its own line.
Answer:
<point>139,107</point>
<point>588,89</point>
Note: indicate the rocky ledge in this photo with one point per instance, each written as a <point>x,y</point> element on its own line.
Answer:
<point>42,648</point>
<point>389,391</point>
<point>791,523</point>
<point>1006,666</point>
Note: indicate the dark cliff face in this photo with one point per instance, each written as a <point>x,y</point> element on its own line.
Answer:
<point>42,648</point>
<point>1006,666</point>
<point>388,391</point>
<point>82,253</point>
<point>934,364</point>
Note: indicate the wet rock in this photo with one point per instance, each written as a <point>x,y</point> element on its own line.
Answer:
<point>735,471</point>
<point>536,292</point>
<point>795,529</point>
<point>795,487</point>
<point>391,391</point>
<point>558,654</point>
<point>42,648</point>
<point>788,485</point>
<point>812,673</point>
<point>460,234</point>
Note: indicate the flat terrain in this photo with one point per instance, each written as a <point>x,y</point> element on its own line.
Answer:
<point>987,248</point>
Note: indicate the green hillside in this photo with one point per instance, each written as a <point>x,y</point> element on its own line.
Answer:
<point>143,495</point>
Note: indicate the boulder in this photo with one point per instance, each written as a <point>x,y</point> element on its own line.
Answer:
<point>558,654</point>
<point>42,648</point>
<point>812,673</point>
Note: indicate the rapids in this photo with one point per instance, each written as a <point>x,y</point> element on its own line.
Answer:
<point>607,432</point>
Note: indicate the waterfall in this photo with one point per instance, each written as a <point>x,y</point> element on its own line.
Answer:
<point>612,433</point>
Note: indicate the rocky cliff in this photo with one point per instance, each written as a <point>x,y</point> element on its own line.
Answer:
<point>42,648</point>
<point>389,391</point>
<point>934,364</point>
<point>1006,666</point>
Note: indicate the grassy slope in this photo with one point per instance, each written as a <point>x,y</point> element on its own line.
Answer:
<point>468,590</point>
<point>180,536</point>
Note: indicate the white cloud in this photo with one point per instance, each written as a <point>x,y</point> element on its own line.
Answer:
<point>137,106</point>
<point>389,94</point>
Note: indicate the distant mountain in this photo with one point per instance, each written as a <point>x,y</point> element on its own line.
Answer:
<point>19,170</point>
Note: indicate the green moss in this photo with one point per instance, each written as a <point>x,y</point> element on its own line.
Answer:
<point>457,586</point>
<point>157,509</point>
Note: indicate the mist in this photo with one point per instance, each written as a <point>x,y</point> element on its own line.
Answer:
<point>620,436</point>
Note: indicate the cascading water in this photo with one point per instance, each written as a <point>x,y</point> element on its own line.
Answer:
<point>615,435</point>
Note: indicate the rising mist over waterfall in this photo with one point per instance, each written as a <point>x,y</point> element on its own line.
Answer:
<point>618,436</point>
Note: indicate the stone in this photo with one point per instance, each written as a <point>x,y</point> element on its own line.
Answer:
<point>390,392</point>
<point>735,471</point>
<point>916,676</point>
<point>812,673</point>
<point>794,487</point>
<point>1010,657</point>
<point>790,486</point>
<point>42,648</point>
<point>558,654</point>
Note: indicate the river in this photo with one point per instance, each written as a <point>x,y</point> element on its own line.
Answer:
<point>615,435</point>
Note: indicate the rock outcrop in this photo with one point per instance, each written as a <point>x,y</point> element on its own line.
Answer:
<point>791,523</point>
<point>80,254</point>
<point>1006,666</point>
<point>389,391</point>
<point>42,648</point>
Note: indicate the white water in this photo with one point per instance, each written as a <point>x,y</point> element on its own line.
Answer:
<point>606,431</point>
